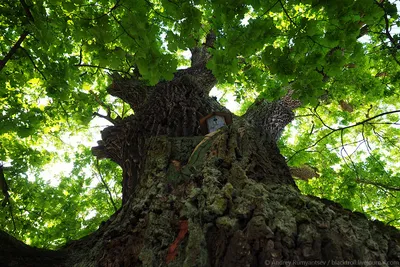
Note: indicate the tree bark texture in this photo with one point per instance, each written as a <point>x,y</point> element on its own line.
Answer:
<point>242,209</point>
<point>224,199</point>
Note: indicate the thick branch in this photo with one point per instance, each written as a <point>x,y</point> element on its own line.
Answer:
<point>113,141</point>
<point>198,71</point>
<point>171,108</point>
<point>130,90</point>
<point>304,172</point>
<point>200,54</point>
<point>273,117</point>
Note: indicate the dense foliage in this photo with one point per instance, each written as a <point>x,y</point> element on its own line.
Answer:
<point>340,57</point>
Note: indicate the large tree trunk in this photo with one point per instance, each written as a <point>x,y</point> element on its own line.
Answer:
<point>224,199</point>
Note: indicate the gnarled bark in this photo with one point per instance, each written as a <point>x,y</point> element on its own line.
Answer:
<point>234,190</point>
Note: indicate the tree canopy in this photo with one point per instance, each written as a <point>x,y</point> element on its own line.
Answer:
<point>56,57</point>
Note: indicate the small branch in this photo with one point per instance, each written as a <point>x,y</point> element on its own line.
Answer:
<point>105,117</point>
<point>287,14</point>
<point>105,185</point>
<point>108,109</point>
<point>22,37</point>
<point>155,11</point>
<point>65,113</point>
<point>369,119</point>
<point>393,51</point>
<point>387,187</point>
<point>33,63</point>
<point>99,67</point>
<point>369,149</point>
<point>347,155</point>
<point>13,50</point>
<point>117,4</point>
<point>123,28</point>
<point>101,103</point>
<point>12,218</point>
<point>80,56</point>
<point>315,113</point>
<point>4,186</point>
<point>389,222</point>
<point>269,9</point>
<point>27,10</point>
<point>341,129</point>
<point>390,123</point>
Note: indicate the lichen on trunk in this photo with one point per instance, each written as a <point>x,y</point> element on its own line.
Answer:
<point>241,206</point>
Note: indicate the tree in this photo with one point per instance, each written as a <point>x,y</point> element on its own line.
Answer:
<point>226,198</point>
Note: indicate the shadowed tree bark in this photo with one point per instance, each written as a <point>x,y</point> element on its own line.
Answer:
<point>224,199</point>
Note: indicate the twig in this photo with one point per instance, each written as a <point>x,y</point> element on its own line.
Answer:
<point>369,149</point>
<point>347,154</point>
